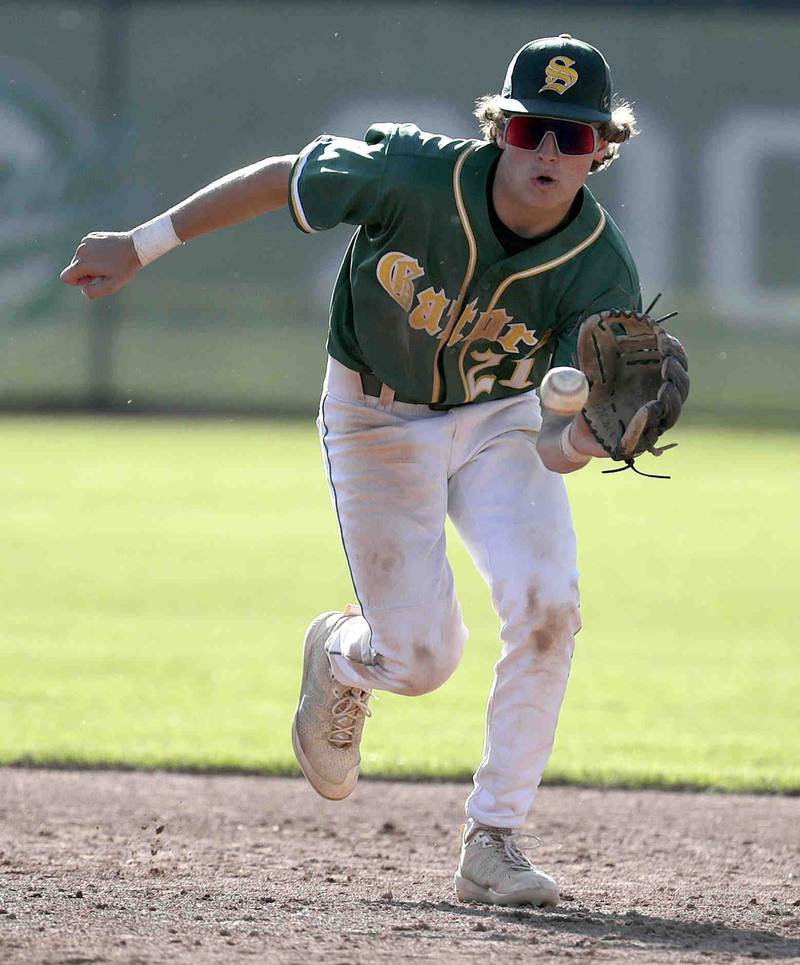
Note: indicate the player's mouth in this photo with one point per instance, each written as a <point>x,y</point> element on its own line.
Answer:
<point>544,180</point>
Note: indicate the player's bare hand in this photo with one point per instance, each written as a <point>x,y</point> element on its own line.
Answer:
<point>583,440</point>
<point>103,262</point>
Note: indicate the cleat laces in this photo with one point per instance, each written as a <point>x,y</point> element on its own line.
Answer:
<point>511,841</point>
<point>348,711</point>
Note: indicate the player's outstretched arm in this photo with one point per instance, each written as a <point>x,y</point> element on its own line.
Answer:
<point>104,261</point>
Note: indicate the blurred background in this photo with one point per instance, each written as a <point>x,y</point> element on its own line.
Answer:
<point>112,111</point>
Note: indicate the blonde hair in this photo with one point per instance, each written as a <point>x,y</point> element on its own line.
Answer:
<point>622,126</point>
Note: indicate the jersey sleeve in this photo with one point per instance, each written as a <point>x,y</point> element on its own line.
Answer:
<point>622,296</point>
<point>337,180</point>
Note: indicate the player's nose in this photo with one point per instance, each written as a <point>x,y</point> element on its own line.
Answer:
<point>548,146</point>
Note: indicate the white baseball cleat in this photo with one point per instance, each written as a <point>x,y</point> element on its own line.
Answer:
<point>494,870</point>
<point>326,732</point>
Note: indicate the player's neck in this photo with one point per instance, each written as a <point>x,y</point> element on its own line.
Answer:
<point>528,221</point>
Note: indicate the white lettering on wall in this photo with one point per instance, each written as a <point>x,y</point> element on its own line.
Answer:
<point>648,193</point>
<point>732,171</point>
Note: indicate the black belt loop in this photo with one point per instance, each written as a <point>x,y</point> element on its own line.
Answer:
<point>371,384</point>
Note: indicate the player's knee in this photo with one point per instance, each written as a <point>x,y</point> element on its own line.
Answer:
<point>540,623</point>
<point>551,604</point>
<point>552,635</point>
<point>423,677</point>
<point>429,660</point>
<point>544,646</point>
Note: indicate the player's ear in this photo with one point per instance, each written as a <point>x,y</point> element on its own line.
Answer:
<point>600,153</point>
<point>500,140</point>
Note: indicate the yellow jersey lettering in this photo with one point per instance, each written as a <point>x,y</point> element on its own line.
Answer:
<point>396,273</point>
<point>491,324</point>
<point>467,317</point>
<point>427,315</point>
<point>517,333</point>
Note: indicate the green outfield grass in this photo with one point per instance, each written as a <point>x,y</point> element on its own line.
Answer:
<point>158,576</point>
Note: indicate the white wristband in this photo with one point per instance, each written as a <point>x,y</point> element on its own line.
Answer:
<point>568,451</point>
<point>155,238</point>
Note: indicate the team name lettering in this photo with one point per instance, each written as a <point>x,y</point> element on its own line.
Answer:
<point>468,316</point>
<point>397,273</point>
<point>516,334</point>
<point>427,316</point>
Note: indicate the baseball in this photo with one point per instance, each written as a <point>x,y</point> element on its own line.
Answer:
<point>564,390</point>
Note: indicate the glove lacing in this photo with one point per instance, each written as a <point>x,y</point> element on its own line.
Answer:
<point>629,463</point>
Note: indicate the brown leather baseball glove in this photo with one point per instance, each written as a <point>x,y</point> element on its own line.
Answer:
<point>638,381</point>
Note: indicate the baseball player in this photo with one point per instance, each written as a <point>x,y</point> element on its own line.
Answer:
<point>471,268</point>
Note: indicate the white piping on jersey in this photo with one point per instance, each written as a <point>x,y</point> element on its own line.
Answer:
<point>294,192</point>
<point>455,309</point>
<point>529,273</point>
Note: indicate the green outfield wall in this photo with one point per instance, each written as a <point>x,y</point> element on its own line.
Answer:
<point>111,112</point>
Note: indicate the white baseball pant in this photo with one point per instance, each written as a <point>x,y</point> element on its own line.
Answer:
<point>395,471</point>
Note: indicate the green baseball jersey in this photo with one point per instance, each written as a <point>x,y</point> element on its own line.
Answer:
<point>427,298</point>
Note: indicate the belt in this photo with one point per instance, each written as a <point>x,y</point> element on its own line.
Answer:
<point>372,386</point>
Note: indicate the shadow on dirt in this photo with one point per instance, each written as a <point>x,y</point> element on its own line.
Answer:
<point>618,930</point>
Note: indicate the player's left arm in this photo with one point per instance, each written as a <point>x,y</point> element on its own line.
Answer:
<point>565,443</point>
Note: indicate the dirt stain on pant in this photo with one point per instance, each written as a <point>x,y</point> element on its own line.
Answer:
<point>555,628</point>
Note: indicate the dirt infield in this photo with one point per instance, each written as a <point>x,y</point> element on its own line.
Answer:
<point>132,867</point>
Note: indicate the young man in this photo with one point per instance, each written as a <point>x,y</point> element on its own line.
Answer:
<point>472,266</point>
